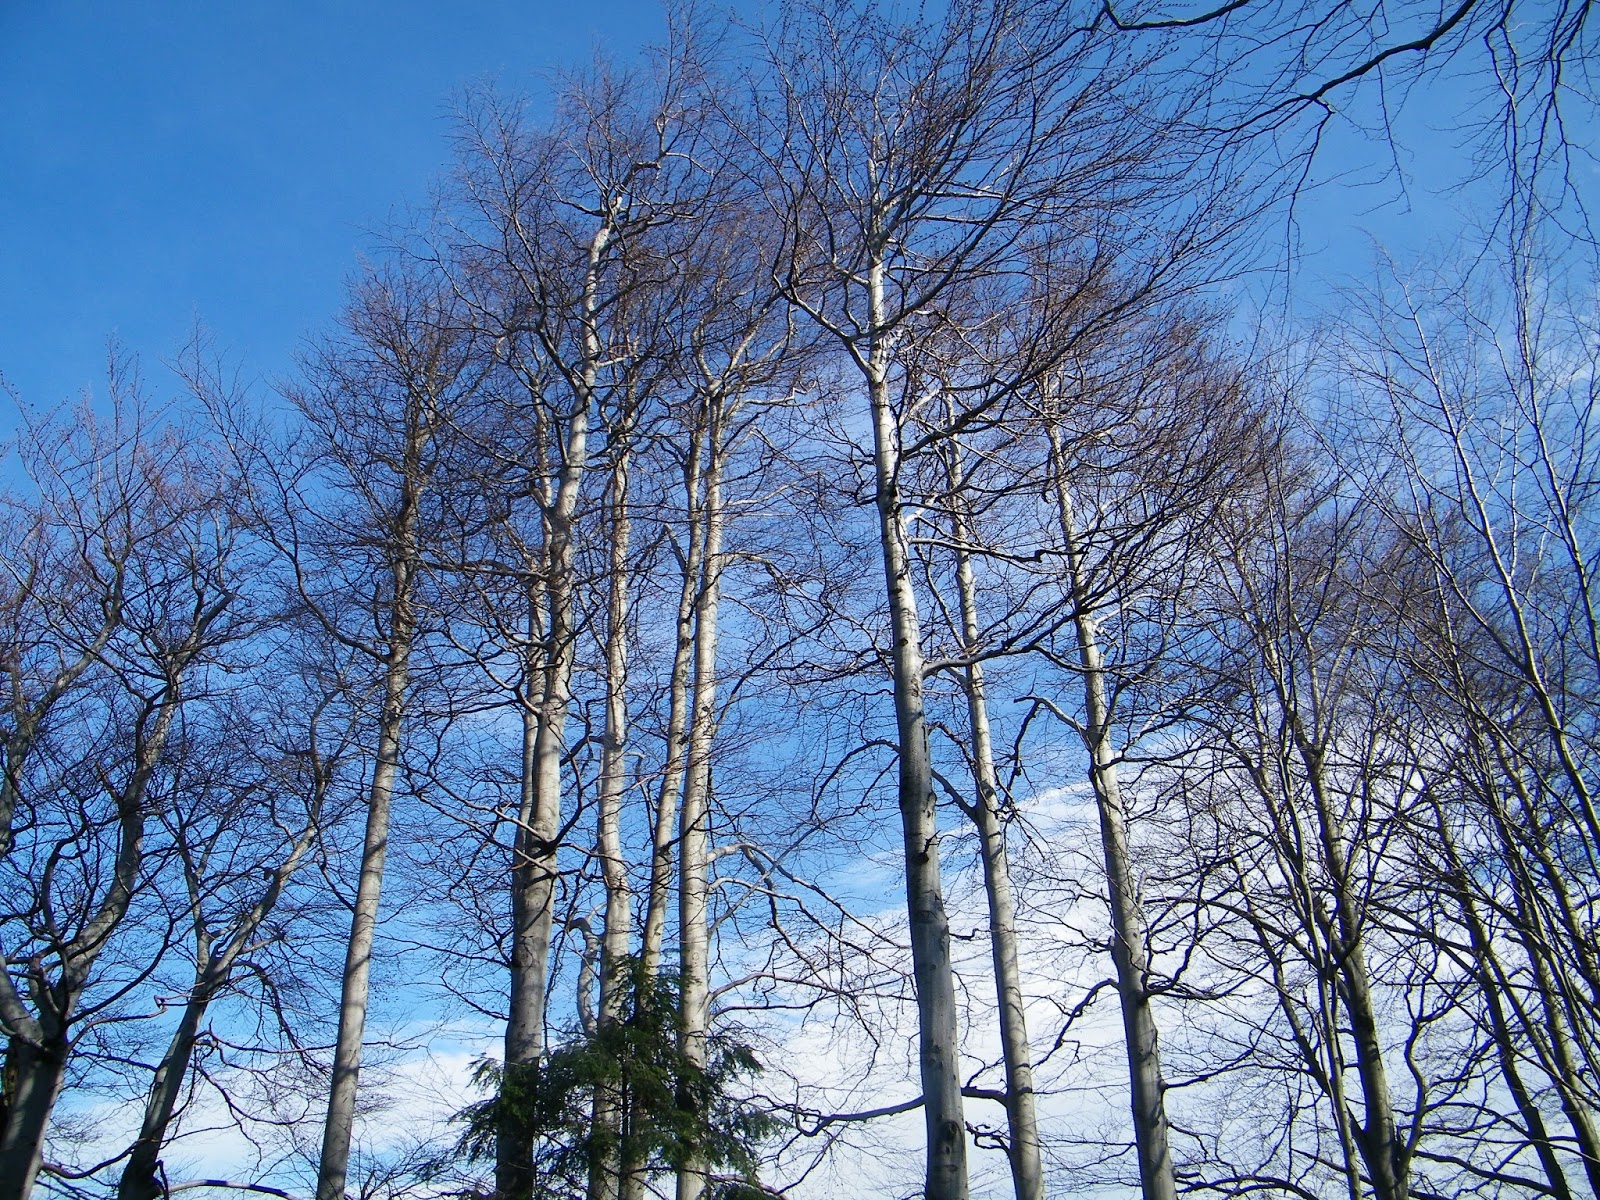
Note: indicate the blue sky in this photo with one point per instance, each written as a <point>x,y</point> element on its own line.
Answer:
<point>163,162</point>
<point>226,162</point>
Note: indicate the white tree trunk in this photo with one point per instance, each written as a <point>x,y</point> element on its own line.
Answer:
<point>1027,1171</point>
<point>694,840</point>
<point>339,1126</point>
<point>604,1176</point>
<point>534,856</point>
<point>932,968</point>
<point>665,832</point>
<point>1129,955</point>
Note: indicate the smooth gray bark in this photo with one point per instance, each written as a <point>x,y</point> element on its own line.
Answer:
<point>931,964</point>
<point>534,862</point>
<point>35,1065</point>
<point>1129,954</point>
<point>1022,1122</point>
<point>339,1126</point>
<point>616,941</point>
<point>694,935</point>
<point>664,833</point>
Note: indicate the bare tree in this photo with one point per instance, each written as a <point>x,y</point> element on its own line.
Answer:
<point>251,814</point>
<point>117,597</point>
<point>910,161</point>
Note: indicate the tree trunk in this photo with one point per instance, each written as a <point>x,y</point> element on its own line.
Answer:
<point>1027,1171</point>
<point>36,1054</point>
<point>534,860</point>
<point>213,968</point>
<point>934,973</point>
<point>666,816</point>
<point>340,1124</point>
<point>1128,954</point>
<point>604,1175</point>
<point>694,841</point>
<point>33,1077</point>
<point>139,1175</point>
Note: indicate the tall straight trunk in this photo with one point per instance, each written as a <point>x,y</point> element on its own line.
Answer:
<point>932,968</point>
<point>1495,987</point>
<point>1376,1134</point>
<point>664,840</point>
<point>1556,1041</point>
<point>1129,956</point>
<point>1382,1153</point>
<point>1022,1122</point>
<point>534,854</point>
<point>604,1175</point>
<point>339,1126</point>
<point>694,942</point>
<point>664,833</point>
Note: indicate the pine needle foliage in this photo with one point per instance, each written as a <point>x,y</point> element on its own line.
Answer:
<point>672,1111</point>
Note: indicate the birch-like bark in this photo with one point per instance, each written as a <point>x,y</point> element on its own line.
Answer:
<point>534,865</point>
<point>1027,1171</point>
<point>1129,955</point>
<point>616,942</point>
<point>665,831</point>
<point>694,939</point>
<point>339,1126</point>
<point>932,968</point>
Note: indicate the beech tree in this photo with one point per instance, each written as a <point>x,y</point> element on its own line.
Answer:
<point>117,600</point>
<point>819,412</point>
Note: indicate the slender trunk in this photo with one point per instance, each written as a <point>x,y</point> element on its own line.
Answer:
<point>1494,986</point>
<point>664,833</point>
<point>1381,1151</point>
<point>1380,1145</point>
<point>212,970</point>
<point>340,1124</point>
<point>34,1071</point>
<point>1128,953</point>
<point>604,1174</point>
<point>1027,1171</point>
<point>932,968</point>
<point>139,1175</point>
<point>534,860</point>
<point>1566,1071</point>
<point>694,841</point>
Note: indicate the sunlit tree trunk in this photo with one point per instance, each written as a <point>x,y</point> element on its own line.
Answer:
<point>339,1127</point>
<point>616,942</point>
<point>1129,954</point>
<point>932,967</point>
<point>534,854</point>
<point>694,935</point>
<point>1027,1171</point>
<point>664,833</point>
